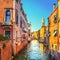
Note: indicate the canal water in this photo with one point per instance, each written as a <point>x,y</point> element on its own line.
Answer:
<point>32,52</point>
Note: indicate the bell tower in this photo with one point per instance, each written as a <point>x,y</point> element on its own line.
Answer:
<point>43,21</point>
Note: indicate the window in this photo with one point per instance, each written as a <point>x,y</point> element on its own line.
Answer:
<point>55,33</point>
<point>24,36</point>
<point>55,18</point>
<point>17,1</point>
<point>7,33</point>
<point>8,15</point>
<point>52,45</point>
<point>55,47</point>
<point>48,33</point>
<point>21,23</point>
<point>16,36</point>
<point>16,18</point>
<point>48,22</point>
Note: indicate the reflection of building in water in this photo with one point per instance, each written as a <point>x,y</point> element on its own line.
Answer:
<point>41,47</point>
<point>34,52</point>
<point>41,36</point>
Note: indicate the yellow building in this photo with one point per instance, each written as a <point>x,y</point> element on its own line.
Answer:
<point>35,35</point>
<point>43,31</point>
<point>42,35</point>
<point>38,32</point>
<point>54,28</point>
<point>47,37</point>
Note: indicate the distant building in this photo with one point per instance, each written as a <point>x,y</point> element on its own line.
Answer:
<point>34,35</point>
<point>13,23</point>
<point>47,39</point>
<point>42,35</point>
<point>29,32</point>
<point>43,31</point>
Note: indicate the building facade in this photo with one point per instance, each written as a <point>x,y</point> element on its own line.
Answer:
<point>54,28</point>
<point>42,35</point>
<point>35,35</point>
<point>6,50</point>
<point>13,23</point>
<point>29,32</point>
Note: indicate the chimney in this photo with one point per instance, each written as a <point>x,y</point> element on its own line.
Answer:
<point>58,9</point>
<point>54,6</point>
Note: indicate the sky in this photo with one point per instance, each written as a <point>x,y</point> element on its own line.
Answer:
<point>36,9</point>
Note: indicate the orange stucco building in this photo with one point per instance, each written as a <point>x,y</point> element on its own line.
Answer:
<point>13,23</point>
<point>6,50</point>
<point>54,28</point>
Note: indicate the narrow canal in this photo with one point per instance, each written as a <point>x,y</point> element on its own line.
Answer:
<point>32,52</point>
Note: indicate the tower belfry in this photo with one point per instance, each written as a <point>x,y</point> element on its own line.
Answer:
<point>43,21</point>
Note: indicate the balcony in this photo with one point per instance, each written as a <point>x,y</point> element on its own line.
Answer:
<point>24,29</point>
<point>6,25</point>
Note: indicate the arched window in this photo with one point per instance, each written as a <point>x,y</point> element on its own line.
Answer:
<point>8,15</point>
<point>21,23</point>
<point>16,18</point>
<point>7,33</point>
<point>17,1</point>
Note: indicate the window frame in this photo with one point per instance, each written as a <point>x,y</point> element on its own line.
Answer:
<point>21,22</point>
<point>17,1</point>
<point>56,34</point>
<point>48,22</point>
<point>48,33</point>
<point>5,34</point>
<point>16,17</point>
<point>7,15</point>
<point>55,18</point>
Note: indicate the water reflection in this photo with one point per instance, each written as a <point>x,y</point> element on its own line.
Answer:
<point>32,52</point>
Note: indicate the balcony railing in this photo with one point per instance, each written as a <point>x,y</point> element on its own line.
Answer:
<point>24,29</point>
<point>5,24</point>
